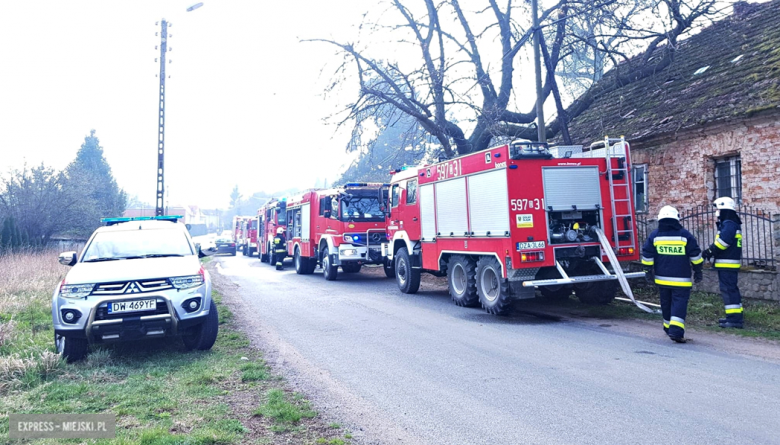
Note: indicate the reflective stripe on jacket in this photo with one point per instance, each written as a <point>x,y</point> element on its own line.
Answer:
<point>671,254</point>
<point>728,245</point>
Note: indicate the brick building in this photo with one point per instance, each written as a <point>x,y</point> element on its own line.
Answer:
<point>706,126</point>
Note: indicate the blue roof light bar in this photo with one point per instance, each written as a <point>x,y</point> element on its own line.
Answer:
<point>112,221</point>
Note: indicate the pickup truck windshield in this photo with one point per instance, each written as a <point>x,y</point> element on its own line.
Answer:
<point>361,208</point>
<point>132,244</point>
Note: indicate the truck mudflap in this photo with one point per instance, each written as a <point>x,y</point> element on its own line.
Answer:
<point>619,275</point>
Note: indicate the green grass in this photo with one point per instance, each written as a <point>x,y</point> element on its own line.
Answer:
<point>762,318</point>
<point>284,412</point>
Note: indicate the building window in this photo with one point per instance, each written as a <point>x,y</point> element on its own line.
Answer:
<point>640,188</point>
<point>728,178</point>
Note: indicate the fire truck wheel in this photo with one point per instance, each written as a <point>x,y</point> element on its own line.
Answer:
<point>263,257</point>
<point>462,281</point>
<point>350,268</point>
<point>561,292</point>
<point>407,277</point>
<point>600,292</point>
<point>389,268</point>
<point>303,266</point>
<point>492,288</point>
<point>329,271</point>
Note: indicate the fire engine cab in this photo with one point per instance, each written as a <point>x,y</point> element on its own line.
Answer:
<point>270,218</point>
<point>339,227</point>
<point>503,221</point>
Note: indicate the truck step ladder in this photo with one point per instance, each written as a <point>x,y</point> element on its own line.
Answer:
<point>615,148</point>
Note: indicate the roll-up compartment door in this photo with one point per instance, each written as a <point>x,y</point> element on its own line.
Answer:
<point>427,212</point>
<point>451,214</point>
<point>305,218</point>
<point>489,203</point>
<point>565,187</point>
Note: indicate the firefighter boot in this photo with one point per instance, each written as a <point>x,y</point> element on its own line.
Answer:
<point>279,265</point>
<point>730,324</point>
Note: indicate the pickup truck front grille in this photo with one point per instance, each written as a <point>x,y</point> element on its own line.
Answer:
<point>132,287</point>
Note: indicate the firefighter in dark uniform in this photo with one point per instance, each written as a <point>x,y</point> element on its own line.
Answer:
<point>668,256</point>
<point>727,251</point>
<point>280,248</point>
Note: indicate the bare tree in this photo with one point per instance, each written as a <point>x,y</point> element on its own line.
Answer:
<point>460,87</point>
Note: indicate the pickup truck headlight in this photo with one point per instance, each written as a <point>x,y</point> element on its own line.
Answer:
<point>187,282</point>
<point>75,290</point>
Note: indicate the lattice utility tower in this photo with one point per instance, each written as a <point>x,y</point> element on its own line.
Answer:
<point>160,203</point>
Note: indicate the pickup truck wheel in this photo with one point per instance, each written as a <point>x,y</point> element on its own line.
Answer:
<point>462,281</point>
<point>492,288</point>
<point>350,268</point>
<point>203,336</point>
<point>71,349</point>
<point>389,268</point>
<point>408,278</point>
<point>599,292</point>
<point>329,271</point>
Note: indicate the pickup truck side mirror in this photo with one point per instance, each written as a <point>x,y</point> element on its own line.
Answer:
<point>67,258</point>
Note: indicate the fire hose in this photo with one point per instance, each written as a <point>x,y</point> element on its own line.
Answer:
<point>619,271</point>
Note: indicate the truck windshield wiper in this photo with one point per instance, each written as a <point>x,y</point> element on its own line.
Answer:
<point>97,260</point>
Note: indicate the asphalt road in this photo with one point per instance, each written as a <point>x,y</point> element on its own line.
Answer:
<point>417,368</point>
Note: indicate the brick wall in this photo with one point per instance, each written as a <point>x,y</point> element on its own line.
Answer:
<point>681,170</point>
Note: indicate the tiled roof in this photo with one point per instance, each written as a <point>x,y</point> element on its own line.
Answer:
<point>742,53</point>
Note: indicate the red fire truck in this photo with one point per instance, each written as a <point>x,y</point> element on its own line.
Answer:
<point>271,217</point>
<point>238,229</point>
<point>503,221</point>
<point>249,236</point>
<point>343,226</point>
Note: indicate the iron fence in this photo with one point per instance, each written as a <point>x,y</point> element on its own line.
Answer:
<point>758,249</point>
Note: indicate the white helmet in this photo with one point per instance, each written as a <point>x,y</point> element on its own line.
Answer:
<point>668,212</point>
<point>280,230</point>
<point>725,203</point>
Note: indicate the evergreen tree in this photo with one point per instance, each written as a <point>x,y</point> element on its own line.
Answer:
<point>90,175</point>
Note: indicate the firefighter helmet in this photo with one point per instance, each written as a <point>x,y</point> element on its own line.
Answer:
<point>280,230</point>
<point>725,203</point>
<point>668,212</point>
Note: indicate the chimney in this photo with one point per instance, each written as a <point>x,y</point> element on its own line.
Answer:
<point>742,9</point>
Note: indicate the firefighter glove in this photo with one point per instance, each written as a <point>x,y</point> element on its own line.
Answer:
<point>707,254</point>
<point>697,274</point>
<point>649,275</point>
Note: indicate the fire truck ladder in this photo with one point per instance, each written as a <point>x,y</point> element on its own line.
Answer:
<point>624,186</point>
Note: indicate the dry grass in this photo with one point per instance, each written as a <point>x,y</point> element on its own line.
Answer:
<point>27,279</point>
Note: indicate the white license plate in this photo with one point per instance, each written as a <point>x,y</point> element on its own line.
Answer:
<point>132,306</point>
<point>530,245</point>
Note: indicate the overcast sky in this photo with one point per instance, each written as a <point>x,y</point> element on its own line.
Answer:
<point>243,101</point>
